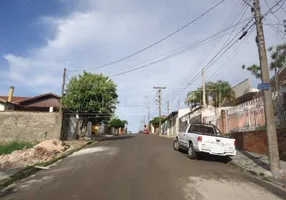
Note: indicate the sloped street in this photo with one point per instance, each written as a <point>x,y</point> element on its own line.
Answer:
<point>141,167</point>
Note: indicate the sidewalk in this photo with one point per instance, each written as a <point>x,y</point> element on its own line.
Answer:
<point>258,165</point>
<point>168,136</point>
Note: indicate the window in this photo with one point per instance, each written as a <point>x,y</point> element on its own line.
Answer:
<point>195,129</point>
<point>208,130</point>
<point>217,131</point>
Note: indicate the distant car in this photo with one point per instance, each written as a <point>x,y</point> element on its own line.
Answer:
<point>204,138</point>
<point>129,132</point>
<point>146,131</point>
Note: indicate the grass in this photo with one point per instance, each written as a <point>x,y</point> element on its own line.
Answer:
<point>12,146</point>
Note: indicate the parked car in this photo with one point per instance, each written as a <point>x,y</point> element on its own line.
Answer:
<point>204,138</point>
<point>146,131</point>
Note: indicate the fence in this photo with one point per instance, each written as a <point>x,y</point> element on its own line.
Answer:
<point>249,116</point>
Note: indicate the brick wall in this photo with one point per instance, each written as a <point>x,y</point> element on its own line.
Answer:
<point>29,126</point>
<point>256,141</point>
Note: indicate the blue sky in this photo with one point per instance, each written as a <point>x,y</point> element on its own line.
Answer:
<point>38,38</point>
<point>20,27</point>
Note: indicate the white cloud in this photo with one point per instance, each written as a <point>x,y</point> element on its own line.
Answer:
<point>99,31</point>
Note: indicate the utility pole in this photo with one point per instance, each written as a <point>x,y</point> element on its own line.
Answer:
<point>63,89</point>
<point>204,87</point>
<point>268,105</point>
<point>148,116</point>
<point>168,107</point>
<point>160,104</point>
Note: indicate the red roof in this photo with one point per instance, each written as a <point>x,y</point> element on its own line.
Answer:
<point>14,98</point>
<point>18,99</point>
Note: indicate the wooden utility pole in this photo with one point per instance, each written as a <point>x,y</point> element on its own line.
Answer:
<point>268,105</point>
<point>63,89</point>
<point>160,105</point>
<point>204,87</point>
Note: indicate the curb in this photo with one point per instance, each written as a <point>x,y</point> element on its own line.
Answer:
<point>262,176</point>
<point>28,171</point>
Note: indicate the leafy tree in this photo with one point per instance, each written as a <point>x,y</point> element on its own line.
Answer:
<point>223,93</point>
<point>194,98</point>
<point>155,121</point>
<point>219,92</point>
<point>118,123</point>
<point>254,69</point>
<point>93,96</point>
<point>278,60</point>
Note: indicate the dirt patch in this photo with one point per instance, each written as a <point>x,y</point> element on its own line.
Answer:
<point>42,152</point>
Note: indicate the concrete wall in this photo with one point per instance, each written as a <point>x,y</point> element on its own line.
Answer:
<point>2,106</point>
<point>256,141</point>
<point>29,126</point>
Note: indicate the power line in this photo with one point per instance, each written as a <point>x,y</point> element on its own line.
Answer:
<point>270,9</point>
<point>210,62</point>
<point>181,51</point>
<point>157,42</point>
<point>229,22</point>
<point>198,74</point>
<point>215,58</point>
<point>245,1</point>
<point>278,32</point>
<point>281,7</point>
<point>230,57</point>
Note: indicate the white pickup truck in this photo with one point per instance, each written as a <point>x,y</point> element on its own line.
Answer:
<point>204,138</point>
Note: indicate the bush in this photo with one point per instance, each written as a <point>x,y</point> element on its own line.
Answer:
<point>12,146</point>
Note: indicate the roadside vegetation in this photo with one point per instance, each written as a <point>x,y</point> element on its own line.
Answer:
<point>8,148</point>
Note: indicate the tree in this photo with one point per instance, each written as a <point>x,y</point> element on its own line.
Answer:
<point>278,59</point>
<point>224,93</point>
<point>118,123</point>
<point>194,98</point>
<point>219,92</point>
<point>155,121</point>
<point>254,69</point>
<point>92,96</point>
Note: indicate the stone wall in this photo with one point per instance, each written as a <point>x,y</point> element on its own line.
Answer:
<point>256,141</point>
<point>29,126</point>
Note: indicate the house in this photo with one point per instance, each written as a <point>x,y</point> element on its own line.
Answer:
<point>48,102</point>
<point>172,124</point>
<point>243,92</point>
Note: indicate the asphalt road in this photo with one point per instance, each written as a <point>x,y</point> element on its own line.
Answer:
<point>143,167</point>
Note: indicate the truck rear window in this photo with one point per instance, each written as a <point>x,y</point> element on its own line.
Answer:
<point>201,129</point>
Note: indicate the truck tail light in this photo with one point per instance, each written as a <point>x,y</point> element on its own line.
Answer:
<point>200,138</point>
<point>235,142</point>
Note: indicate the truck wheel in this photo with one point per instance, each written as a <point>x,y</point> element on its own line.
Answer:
<point>226,159</point>
<point>176,145</point>
<point>191,152</point>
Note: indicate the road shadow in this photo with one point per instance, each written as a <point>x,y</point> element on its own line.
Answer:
<point>210,158</point>
<point>257,160</point>
<point>213,158</point>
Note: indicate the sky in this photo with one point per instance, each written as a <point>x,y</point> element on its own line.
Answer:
<point>39,38</point>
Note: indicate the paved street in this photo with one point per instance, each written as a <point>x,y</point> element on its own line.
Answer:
<point>143,167</point>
